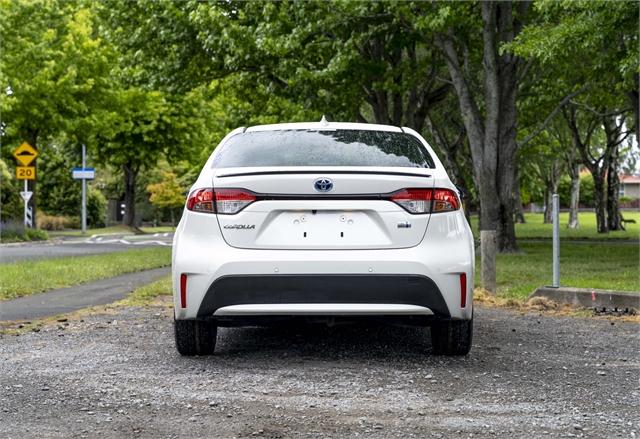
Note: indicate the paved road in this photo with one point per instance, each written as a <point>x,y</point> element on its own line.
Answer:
<point>79,246</point>
<point>64,300</point>
<point>118,375</point>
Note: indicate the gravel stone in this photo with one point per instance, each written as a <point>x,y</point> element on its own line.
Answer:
<point>119,375</point>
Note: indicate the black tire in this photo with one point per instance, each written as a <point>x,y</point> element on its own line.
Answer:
<point>452,337</point>
<point>195,337</point>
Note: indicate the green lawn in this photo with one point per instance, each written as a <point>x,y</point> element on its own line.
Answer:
<point>145,294</point>
<point>604,265</point>
<point>24,278</point>
<point>535,229</point>
<point>111,230</point>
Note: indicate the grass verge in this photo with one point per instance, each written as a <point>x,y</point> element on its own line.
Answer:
<point>602,265</point>
<point>24,278</point>
<point>148,293</point>
<point>534,228</point>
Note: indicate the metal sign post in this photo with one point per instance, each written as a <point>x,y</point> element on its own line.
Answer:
<point>84,174</point>
<point>84,191</point>
<point>556,240</point>
<point>28,212</point>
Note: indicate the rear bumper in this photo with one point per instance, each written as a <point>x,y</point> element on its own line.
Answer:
<point>323,295</point>
<point>426,276</point>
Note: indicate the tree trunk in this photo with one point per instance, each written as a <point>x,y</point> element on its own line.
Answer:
<point>551,188</point>
<point>548,208</point>
<point>634,98</point>
<point>614,219</point>
<point>130,174</point>
<point>600,199</point>
<point>574,223</point>
<point>492,134</point>
<point>519,210</point>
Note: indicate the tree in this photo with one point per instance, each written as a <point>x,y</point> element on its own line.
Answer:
<point>169,193</point>
<point>593,44</point>
<point>53,71</point>
<point>489,114</point>
<point>148,126</point>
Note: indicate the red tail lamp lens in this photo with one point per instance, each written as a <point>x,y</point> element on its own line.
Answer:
<point>201,200</point>
<point>414,200</point>
<point>426,200</point>
<point>445,200</point>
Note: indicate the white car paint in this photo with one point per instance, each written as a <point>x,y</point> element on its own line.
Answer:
<point>438,246</point>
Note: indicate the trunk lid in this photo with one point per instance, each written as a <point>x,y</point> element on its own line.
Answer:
<point>291,213</point>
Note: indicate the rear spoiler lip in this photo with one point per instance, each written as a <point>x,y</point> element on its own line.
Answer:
<point>322,172</point>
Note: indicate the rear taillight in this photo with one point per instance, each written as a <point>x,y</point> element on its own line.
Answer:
<point>414,200</point>
<point>444,200</point>
<point>426,200</point>
<point>201,200</point>
<point>224,201</point>
<point>230,201</point>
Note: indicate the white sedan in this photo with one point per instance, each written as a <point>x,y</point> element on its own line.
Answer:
<point>323,221</point>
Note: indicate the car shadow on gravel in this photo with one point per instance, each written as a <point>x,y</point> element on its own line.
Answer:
<point>371,341</point>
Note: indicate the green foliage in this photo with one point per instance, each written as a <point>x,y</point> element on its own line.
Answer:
<point>11,205</point>
<point>586,190</point>
<point>13,231</point>
<point>96,208</point>
<point>55,68</point>
<point>168,192</point>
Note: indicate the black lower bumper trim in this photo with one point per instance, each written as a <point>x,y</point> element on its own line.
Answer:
<point>313,288</point>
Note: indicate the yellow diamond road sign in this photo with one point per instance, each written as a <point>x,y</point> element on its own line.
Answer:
<point>25,154</point>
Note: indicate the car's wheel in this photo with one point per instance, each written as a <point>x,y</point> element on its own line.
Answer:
<point>195,337</point>
<point>452,337</point>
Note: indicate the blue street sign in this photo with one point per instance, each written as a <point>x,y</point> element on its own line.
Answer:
<point>83,173</point>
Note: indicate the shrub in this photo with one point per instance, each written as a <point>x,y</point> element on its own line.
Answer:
<point>54,222</point>
<point>12,231</point>
<point>96,208</point>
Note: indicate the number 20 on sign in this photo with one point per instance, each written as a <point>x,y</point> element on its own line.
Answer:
<point>26,172</point>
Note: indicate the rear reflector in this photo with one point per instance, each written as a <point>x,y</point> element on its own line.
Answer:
<point>463,290</point>
<point>183,290</point>
<point>418,201</point>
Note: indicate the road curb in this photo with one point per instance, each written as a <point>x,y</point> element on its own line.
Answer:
<point>589,298</point>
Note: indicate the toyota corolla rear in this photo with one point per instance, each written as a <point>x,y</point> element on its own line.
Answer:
<point>323,220</point>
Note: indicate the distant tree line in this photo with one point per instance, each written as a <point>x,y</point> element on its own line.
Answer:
<point>515,96</point>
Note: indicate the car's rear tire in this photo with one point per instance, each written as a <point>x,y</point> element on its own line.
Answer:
<point>452,337</point>
<point>195,337</point>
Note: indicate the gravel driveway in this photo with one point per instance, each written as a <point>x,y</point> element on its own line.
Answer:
<point>119,375</point>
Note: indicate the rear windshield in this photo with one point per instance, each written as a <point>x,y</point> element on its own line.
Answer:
<point>323,148</point>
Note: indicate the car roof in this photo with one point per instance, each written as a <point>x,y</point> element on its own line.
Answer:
<point>324,125</point>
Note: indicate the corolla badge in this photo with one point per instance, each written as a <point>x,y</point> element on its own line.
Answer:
<point>323,185</point>
<point>240,226</point>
